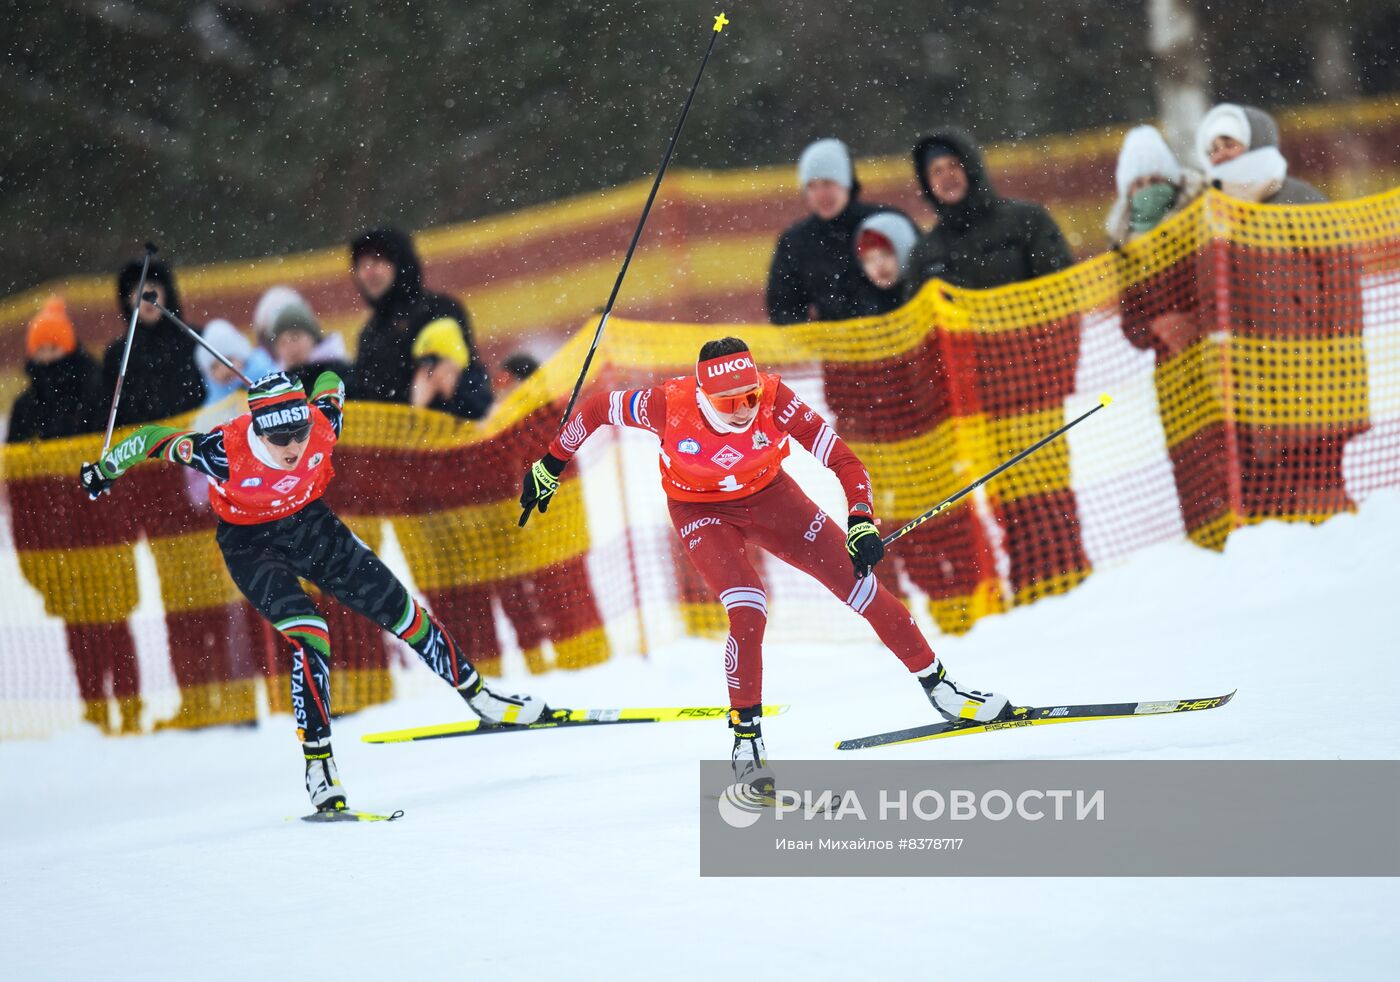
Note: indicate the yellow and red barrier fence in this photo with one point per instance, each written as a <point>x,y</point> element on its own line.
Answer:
<point>1253,353</point>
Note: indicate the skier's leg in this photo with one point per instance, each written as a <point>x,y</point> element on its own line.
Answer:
<point>335,559</point>
<point>800,534</point>
<point>272,587</point>
<point>790,526</point>
<point>717,549</point>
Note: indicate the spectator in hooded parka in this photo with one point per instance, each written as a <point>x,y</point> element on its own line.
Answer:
<point>389,275</point>
<point>1019,378</point>
<point>982,239</point>
<point>162,378</point>
<point>814,275</point>
<point>387,271</point>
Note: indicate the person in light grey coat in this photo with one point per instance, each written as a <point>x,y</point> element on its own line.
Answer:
<point>1238,147</point>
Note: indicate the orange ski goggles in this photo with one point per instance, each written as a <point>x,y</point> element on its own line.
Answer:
<point>732,404</point>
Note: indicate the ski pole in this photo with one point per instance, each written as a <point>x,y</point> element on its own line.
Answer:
<point>948,502</point>
<point>150,298</point>
<point>151,250</point>
<point>720,22</point>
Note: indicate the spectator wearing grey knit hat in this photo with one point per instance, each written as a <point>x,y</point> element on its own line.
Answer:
<point>1238,146</point>
<point>294,335</point>
<point>883,243</point>
<point>814,274</point>
<point>273,301</point>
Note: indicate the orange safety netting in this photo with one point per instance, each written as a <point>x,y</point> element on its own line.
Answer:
<point>1253,354</point>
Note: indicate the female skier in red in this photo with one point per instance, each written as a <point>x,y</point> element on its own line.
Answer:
<point>267,471</point>
<point>724,433</point>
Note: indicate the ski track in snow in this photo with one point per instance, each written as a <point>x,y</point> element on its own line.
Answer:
<point>168,856</point>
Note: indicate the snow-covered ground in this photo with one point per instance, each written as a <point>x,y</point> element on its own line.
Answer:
<point>552,854</point>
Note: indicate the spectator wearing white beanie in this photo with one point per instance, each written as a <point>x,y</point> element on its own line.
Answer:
<point>1238,146</point>
<point>1152,185</point>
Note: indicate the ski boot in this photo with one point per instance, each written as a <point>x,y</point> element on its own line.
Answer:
<point>749,758</point>
<point>956,704</point>
<point>322,779</point>
<point>496,708</point>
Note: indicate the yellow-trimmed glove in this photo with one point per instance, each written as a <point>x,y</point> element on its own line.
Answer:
<point>864,544</point>
<point>541,481</point>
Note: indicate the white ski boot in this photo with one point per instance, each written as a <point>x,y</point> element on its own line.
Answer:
<point>954,702</point>
<point>496,708</point>
<point>322,779</point>
<point>749,757</point>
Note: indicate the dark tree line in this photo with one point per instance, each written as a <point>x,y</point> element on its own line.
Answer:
<point>248,127</point>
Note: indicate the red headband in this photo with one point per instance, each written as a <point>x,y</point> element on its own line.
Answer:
<point>735,371</point>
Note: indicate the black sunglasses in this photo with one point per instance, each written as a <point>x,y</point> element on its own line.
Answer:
<point>285,437</point>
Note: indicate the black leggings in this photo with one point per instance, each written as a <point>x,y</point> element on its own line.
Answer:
<point>265,561</point>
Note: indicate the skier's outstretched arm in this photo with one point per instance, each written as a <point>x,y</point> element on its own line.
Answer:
<point>643,409</point>
<point>816,435</point>
<point>203,452</point>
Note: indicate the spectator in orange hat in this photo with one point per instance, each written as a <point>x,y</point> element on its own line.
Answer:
<point>64,397</point>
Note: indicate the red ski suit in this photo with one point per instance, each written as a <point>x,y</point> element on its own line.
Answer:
<point>729,489</point>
